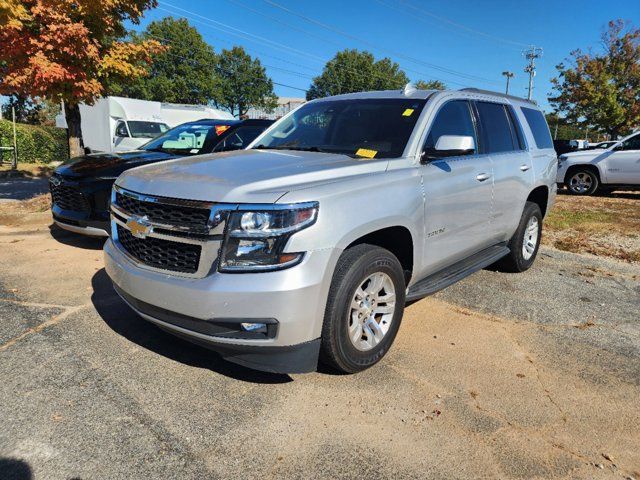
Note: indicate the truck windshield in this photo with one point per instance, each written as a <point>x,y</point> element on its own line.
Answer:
<point>371,128</point>
<point>139,129</point>
<point>189,138</point>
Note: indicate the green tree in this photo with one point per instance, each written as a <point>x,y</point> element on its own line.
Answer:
<point>183,73</point>
<point>430,85</point>
<point>354,71</point>
<point>243,83</point>
<point>602,91</point>
<point>34,111</point>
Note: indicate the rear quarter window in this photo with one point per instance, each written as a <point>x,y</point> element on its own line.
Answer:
<point>538,126</point>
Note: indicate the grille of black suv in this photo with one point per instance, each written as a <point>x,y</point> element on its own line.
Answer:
<point>175,215</point>
<point>69,198</point>
<point>158,253</point>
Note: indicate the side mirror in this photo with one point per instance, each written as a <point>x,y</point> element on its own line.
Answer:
<point>450,146</point>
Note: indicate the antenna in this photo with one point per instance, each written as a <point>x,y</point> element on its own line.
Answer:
<point>408,89</point>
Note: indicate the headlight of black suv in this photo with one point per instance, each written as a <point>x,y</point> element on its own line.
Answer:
<point>255,238</point>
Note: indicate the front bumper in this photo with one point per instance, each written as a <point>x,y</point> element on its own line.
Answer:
<point>295,298</point>
<point>89,217</point>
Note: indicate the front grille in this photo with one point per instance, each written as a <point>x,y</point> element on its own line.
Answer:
<point>164,254</point>
<point>69,198</point>
<point>163,213</point>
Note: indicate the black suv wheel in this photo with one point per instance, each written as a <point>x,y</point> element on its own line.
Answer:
<point>364,309</point>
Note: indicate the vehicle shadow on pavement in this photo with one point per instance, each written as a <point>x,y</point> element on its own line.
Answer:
<point>124,321</point>
<point>14,469</point>
<point>76,239</point>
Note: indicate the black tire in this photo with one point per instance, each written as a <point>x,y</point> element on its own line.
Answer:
<point>355,265</point>
<point>582,181</point>
<point>516,262</point>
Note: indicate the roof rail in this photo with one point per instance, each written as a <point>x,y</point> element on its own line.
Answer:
<point>504,95</point>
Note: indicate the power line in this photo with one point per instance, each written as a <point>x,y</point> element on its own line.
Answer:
<point>422,13</point>
<point>188,13</point>
<point>366,42</point>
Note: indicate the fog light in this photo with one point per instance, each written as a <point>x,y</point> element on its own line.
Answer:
<point>254,327</point>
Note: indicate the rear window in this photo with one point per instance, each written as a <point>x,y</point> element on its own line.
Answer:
<point>497,131</point>
<point>539,127</point>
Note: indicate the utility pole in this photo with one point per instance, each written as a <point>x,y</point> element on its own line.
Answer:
<point>531,54</point>
<point>509,76</point>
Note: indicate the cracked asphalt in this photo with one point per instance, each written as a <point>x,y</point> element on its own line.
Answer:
<point>535,375</point>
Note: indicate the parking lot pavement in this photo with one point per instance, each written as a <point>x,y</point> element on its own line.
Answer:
<point>12,189</point>
<point>500,376</point>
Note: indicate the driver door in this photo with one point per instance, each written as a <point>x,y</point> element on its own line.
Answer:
<point>458,192</point>
<point>623,164</point>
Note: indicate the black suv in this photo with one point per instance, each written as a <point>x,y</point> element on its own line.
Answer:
<point>81,187</point>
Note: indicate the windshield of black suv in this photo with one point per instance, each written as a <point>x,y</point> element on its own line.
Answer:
<point>371,128</point>
<point>139,129</point>
<point>189,138</point>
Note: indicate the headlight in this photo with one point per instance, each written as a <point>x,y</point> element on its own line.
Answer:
<point>562,158</point>
<point>256,238</point>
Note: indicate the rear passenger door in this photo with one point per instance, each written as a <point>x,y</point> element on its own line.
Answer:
<point>502,139</point>
<point>458,192</point>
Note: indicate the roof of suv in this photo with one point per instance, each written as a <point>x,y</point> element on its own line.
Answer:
<point>419,94</point>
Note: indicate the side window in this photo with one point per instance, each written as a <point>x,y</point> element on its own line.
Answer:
<point>632,143</point>
<point>121,129</point>
<point>517,129</point>
<point>497,134</point>
<point>452,119</point>
<point>539,127</point>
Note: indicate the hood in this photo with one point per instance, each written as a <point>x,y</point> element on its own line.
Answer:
<point>586,154</point>
<point>245,176</point>
<point>109,165</point>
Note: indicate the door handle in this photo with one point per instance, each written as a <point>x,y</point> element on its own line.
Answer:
<point>524,167</point>
<point>481,177</point>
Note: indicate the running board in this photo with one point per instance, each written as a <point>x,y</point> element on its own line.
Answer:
<point>450,275</point>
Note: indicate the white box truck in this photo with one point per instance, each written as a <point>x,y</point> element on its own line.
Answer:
<point>117,124</point>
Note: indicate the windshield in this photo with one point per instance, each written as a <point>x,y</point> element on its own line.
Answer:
<point>372,128</point>
<point>139,129</point>
<point>189,138</point>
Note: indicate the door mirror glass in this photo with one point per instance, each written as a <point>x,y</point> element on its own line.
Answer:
<point>121,130</point>
<point>451,146</point>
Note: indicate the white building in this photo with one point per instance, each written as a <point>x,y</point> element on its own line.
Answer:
<point>285,105</point>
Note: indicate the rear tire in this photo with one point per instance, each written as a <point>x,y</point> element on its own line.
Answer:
<point>525,242</point>
<point>582,181</point>
<point>364,308</point>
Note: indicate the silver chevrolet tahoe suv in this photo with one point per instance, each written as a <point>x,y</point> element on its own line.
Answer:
<point>307,245</point>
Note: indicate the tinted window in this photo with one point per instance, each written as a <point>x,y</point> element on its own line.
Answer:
<point>517,128</point>
<point>189,138</point>
<point>141,129</point>
<point>496,128</point>
<point>538,126</point>
<point>239,139</point>
<point>452,119</point>
<point>632,144</point>
<point>373,128</point>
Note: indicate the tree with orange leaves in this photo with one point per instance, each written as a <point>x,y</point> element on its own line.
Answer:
<point>68,49</point>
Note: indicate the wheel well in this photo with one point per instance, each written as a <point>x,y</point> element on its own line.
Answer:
<point>397,240</point>
<point>540,196</point>
<point>573,168</point>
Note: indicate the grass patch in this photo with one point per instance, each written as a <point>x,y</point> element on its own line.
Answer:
<point>601,225</point>
<point>27,170</point>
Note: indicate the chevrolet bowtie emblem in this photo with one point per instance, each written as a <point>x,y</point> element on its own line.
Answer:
<point>55,181</point>
<point>139,227</point>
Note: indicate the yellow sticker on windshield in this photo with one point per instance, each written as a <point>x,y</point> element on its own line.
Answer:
<point>363,152</point>
<point>408,112</point>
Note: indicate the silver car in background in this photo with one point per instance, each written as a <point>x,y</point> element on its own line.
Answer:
<point>307,245</point>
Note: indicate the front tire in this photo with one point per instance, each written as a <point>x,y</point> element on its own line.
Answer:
<point>364,308</point>
<point>524,244</point>
<point>582,182</point>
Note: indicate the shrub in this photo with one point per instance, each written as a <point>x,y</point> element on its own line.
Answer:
<point>35,143</point>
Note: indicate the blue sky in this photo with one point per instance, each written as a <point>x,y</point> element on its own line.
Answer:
<point>463,43</point>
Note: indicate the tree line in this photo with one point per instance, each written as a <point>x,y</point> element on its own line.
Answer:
<point>78,51</point>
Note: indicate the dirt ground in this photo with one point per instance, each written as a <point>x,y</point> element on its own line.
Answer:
<point>535,375</point>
